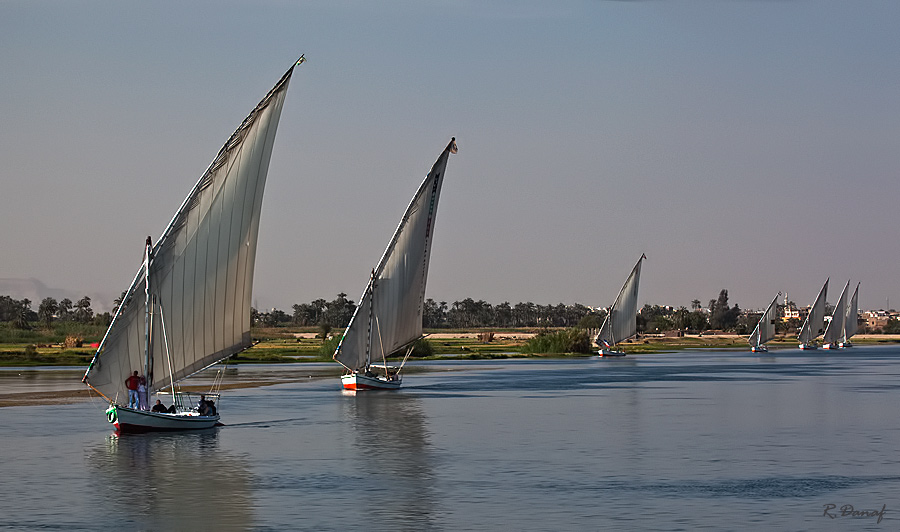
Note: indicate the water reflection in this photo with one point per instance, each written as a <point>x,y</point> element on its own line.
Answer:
<point>172,481</point>
<point>393,453</point>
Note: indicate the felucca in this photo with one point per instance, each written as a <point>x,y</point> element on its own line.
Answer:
<point>765,329</point>
<point>621,321</point>
<point>815,321</point>
<point>188,306</point>
<point>388,319</point>
<point>835,328</point>
<point>851,321</point>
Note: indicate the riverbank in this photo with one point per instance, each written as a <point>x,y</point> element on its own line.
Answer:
<point>293,347</point>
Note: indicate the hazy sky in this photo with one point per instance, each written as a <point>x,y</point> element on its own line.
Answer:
<point>747,145</point>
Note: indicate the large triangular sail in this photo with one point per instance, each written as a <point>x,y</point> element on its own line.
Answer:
<point>389,315</point>
<point>765,329</point>
<point>200,269</point>
<point>851,321</point>
<point>621,321</point>
<point>815,320</point>
<point>835,327</point>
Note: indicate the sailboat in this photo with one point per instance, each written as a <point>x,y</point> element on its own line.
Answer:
<point>621,321</point>
<point>388,318</point>
<point>851,321</point>
<point>765,329</point>
<point>835,328</point>
<point>815,321</point>
<point>188,306</point>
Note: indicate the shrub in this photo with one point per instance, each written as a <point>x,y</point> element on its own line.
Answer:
<point>565,341</point>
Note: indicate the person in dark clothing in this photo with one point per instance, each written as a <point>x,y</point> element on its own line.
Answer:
<point>159,408</point>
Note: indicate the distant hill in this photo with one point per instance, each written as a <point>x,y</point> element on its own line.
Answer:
<point>35,290</point>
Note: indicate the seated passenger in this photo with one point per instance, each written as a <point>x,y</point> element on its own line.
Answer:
<point>161,408</point>
<point>203,406</point>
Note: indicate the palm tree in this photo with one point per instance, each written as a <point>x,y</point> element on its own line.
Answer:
<point>46,310</point>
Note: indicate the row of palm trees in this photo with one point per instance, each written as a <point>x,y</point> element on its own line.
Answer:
<point>19,313</point>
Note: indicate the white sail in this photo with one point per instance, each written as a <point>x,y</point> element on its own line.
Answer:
<point>765,329</point>
<point>389,315</point>
<point>835,327</point>
<point>815,320</point>
<point>851,321</point>
<point>200,270</point>
<point>621,321</point>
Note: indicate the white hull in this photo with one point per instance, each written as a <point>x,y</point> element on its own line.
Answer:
<point>759,349</point>
<point>358,381</point>
<point>831,346</point>
<point>845,344</point>
<point>808,346</point>
<point>610,353</point>
<point>131,420</point>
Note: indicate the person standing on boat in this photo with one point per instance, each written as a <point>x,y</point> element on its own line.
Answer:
<point>132,384</point>
<point>142,394</point>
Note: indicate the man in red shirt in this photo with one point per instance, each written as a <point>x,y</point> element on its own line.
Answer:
<point>132,384</point>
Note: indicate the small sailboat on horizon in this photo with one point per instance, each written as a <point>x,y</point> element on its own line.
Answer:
<point>188,306</point>
<point>851,321</point>
<point>814,324</point>
<point>388,319</point>
<point>835,328</point>
<point>621,320</point>
<point>765,329</point>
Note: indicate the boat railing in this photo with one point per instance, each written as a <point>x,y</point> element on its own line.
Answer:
<point>189,401</point>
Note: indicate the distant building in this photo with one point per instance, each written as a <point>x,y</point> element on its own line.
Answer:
<point>876,319</point>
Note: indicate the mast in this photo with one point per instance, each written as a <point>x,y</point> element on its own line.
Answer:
<point>148,314</point>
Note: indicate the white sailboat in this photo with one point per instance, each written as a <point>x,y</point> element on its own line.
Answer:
<point>835,329</point>
<point>815,321</point>
<point>188,306</point>
<point>765,329</point>
<point>621,321</point>
<point>851,321</point>
<point>388,318</point>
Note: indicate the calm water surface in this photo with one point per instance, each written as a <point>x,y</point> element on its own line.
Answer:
<point>686,441</point>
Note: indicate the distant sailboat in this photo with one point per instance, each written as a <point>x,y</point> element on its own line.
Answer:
<point>765,329</point>
<point>621,321</point>
<point>388,318</point>
<point>851,321</point>
<point>815,321</point>
<point>835,329</point>
<point>188,306</point>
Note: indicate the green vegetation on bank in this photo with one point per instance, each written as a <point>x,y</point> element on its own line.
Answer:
<point>559,342</point>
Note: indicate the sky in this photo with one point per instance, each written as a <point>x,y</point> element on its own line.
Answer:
<point>747,145</point>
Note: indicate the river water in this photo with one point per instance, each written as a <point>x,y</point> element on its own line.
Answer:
<point>682,441</point>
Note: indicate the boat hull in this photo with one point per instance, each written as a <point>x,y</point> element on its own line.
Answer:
<point>831,346</point>
<point>845,344</point>
<point>131,420</point>
<point>358,381</point>
<point>806,347</point>
<point>610,353</point>
<point>759,349</point>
